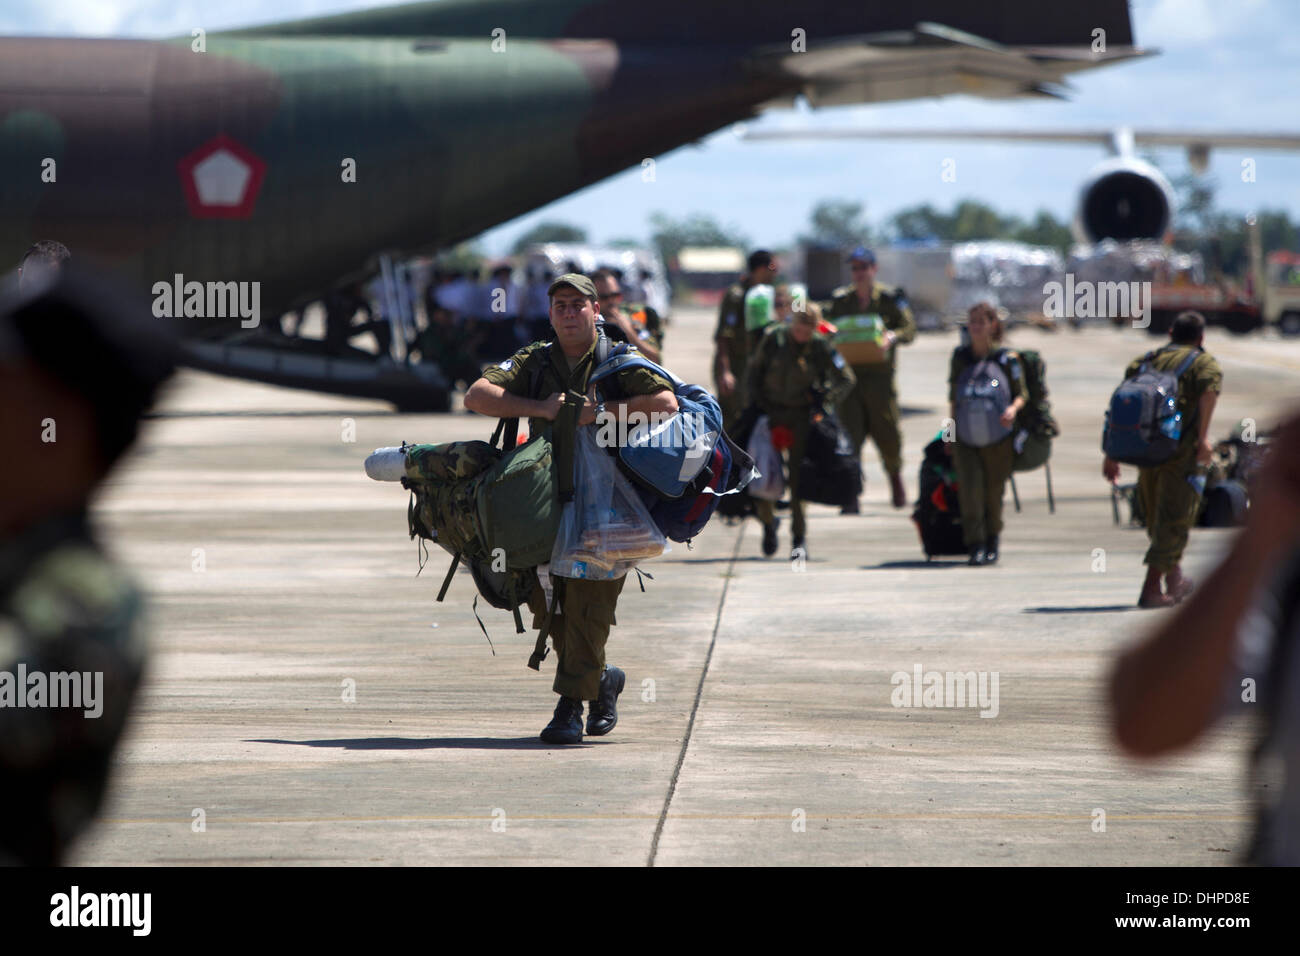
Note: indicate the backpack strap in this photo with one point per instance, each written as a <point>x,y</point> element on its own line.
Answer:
<point>446,581</point>
<point>1187,363</point>
<point>514,602</point>
<point>564,435</point>
<point>508,428</point>
<point>625,359</point>
<point>602,346</point>
<point>539,649</point>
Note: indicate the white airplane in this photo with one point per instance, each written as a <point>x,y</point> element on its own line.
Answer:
<point>1123,197</point>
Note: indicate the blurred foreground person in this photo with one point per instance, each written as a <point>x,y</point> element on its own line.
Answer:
<point>1234,642</point>
<point>79,363</point>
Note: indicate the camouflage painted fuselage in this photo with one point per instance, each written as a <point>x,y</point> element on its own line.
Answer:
<point>457,115</point>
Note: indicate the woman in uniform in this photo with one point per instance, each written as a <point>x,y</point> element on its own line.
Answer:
<point>986,390</point>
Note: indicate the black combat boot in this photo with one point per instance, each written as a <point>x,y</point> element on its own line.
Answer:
<point>991,550</point>
<point>769,537</point>
<point>566,725</point>
<point>602,716</point>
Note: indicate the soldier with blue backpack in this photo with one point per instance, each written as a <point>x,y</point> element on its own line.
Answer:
<point>1159,420</point>
<point>986,391</point>
<point>535,382</point>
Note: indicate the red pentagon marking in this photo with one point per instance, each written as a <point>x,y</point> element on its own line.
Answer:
<point>221,179</point>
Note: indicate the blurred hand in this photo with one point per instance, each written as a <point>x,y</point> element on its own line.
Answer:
<point>1204,453</point>
<point>1110,470</point>
<point>1008,416</point>
<point>726,385</point>
<point>587,414</point>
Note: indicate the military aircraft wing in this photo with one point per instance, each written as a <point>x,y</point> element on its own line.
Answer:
<point>1106,138</point>
<point>931,60</point>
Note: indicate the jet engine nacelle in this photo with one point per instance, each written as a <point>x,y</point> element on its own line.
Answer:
<point>1124,198</point>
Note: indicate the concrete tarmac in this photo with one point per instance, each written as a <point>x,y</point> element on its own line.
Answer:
<point>308,702</point>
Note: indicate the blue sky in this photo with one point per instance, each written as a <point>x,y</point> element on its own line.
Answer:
<point>1224,66</point>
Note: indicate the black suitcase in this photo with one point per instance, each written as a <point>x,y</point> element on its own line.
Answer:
<point>829,473</point>
<point>938,514</point>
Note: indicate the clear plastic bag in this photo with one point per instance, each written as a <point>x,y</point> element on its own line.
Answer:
<point>606,530</point>
<point>770,483</point>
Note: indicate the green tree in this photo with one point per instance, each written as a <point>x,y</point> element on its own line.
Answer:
<point>1045,230</point>
<point>549,232</point>
<point>670,235</point>
<point>839,223</point>
<point>975,220</point>
<point>921,222</point>
<point>463,257</point>
<point>969,219</point>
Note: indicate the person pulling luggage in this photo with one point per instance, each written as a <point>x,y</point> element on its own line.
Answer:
<point>794,370</point>
<point>986,391</point>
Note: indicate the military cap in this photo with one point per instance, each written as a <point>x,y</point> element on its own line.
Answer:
<point>863,254</point>
<point>576,280</point>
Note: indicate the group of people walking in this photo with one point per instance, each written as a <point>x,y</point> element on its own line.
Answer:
<point>841,360</point>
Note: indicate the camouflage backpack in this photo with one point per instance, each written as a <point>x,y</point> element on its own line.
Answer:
<point>496,509</point>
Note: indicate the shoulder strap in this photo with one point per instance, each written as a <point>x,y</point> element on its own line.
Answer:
<point>1187,362</point>
<point>509,427</point>
<point>621,360</point>
<point>564,435</point>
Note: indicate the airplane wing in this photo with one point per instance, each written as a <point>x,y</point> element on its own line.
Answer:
<point>930,60</point>
<point>1097,137</point>
<point>1119,142</point>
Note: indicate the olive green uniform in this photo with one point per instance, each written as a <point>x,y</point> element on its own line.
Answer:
<point>785,378</point>
<point>871,408</point>
<point>982,473</point>
<point>1166,494</point>
<point>737,343</point>
<point>580,628</point>
<point>65,608</point>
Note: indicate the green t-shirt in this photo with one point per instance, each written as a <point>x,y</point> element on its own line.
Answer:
<point>545,364</point>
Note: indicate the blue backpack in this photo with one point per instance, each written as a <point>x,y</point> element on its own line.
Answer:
<point>1143,424</point>
<point>685,464</point>
<point>665,456</point>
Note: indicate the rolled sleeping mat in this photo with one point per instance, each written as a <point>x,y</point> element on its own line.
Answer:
<point>387,464</point>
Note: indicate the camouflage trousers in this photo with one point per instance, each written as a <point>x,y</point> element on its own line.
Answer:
<point>1170,504</point>
<point>579,632</point>
<point>871,411</point>
<point>982,475</point>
